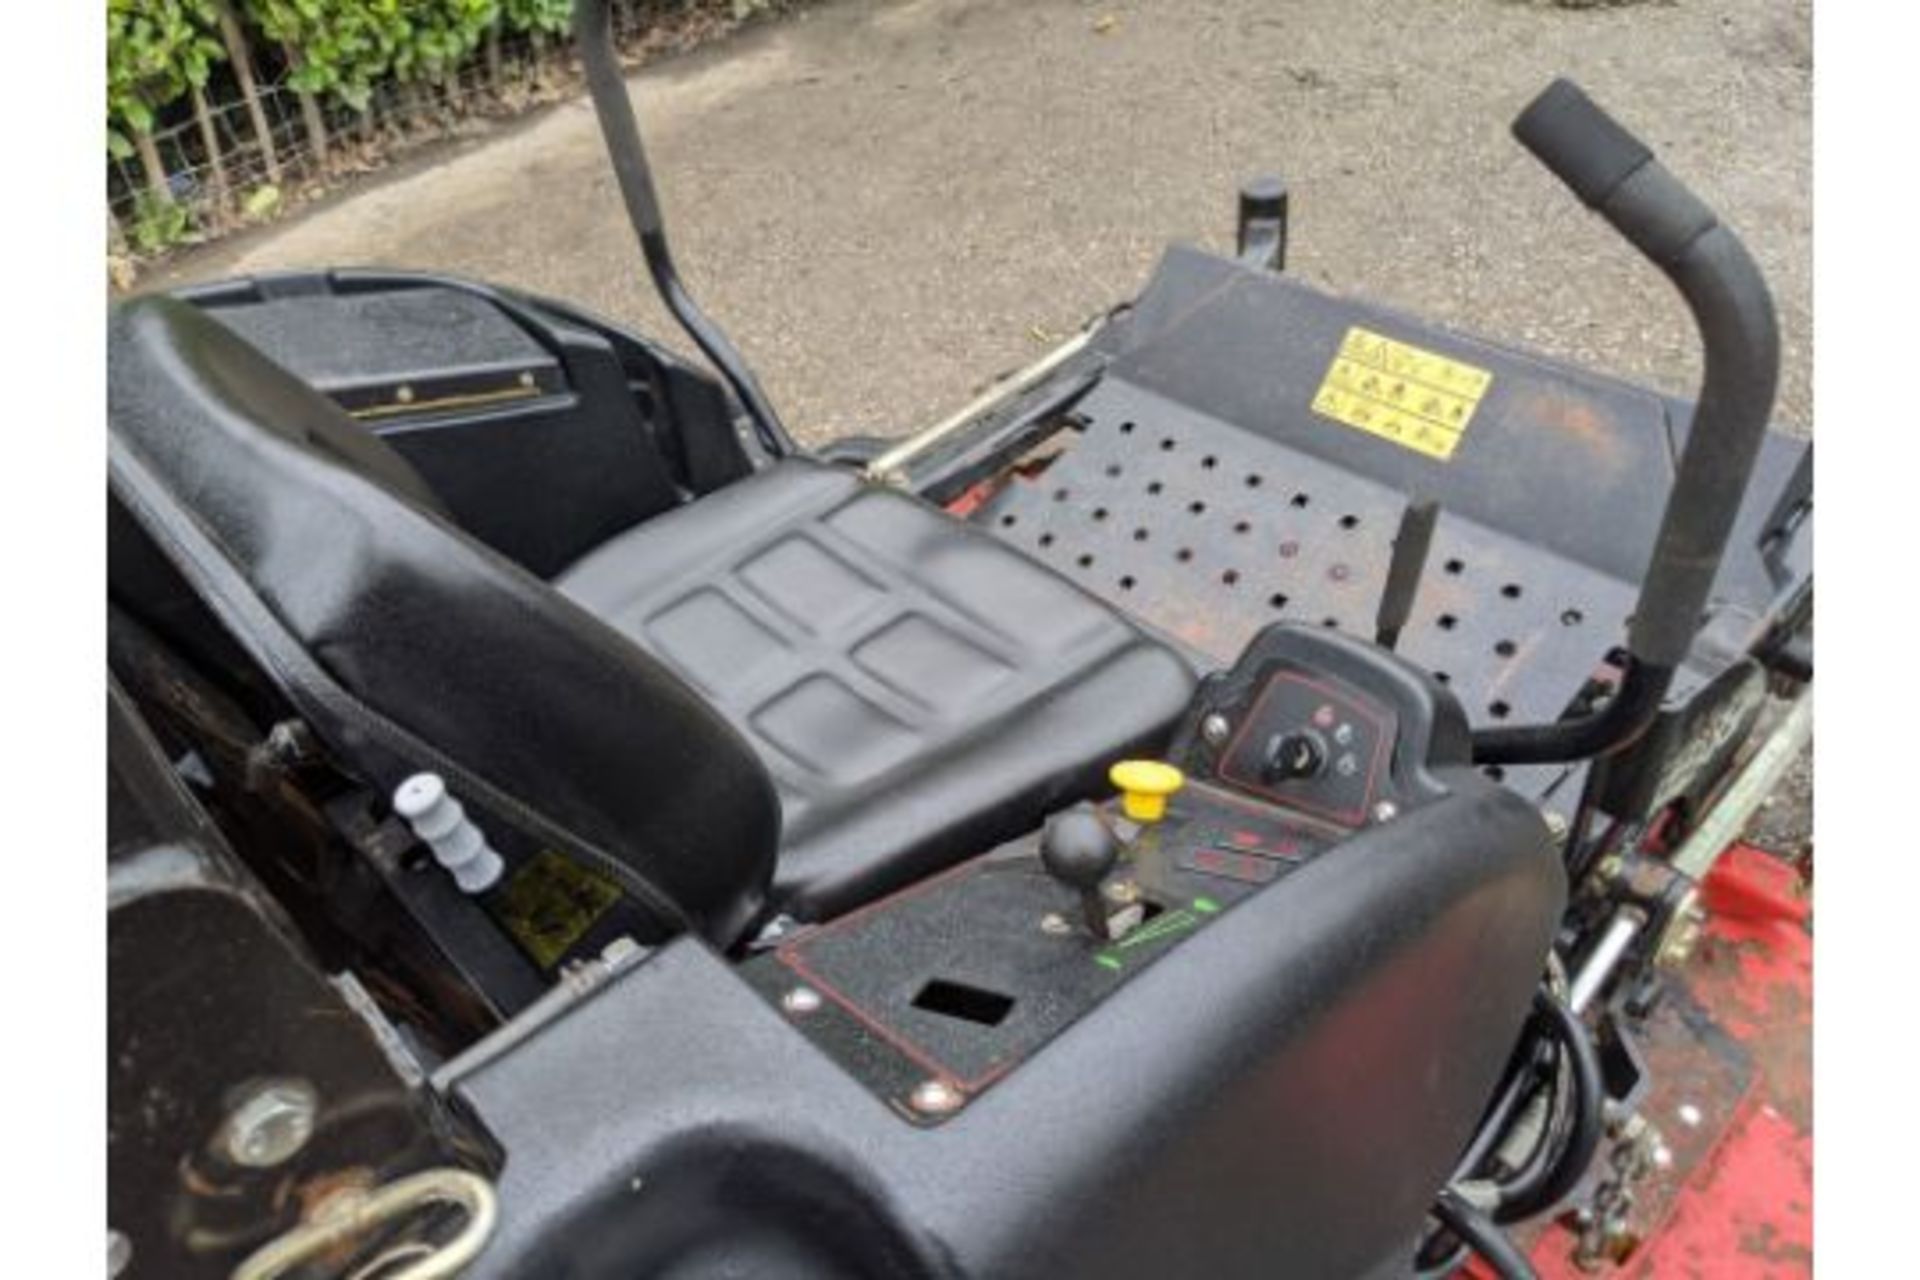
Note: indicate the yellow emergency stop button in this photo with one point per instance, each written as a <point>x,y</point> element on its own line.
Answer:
<point>1144,787</point>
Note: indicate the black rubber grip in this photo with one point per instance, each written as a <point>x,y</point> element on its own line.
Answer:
<point>1616,175</point>
<point>1584,146</point>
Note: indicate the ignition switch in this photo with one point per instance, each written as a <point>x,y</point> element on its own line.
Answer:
<point>1299,754</point>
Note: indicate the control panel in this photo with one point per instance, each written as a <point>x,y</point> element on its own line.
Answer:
<point>1324,726</point>
<point>932,995</point>
<point>1308,738</point>
<point>1312,745</point>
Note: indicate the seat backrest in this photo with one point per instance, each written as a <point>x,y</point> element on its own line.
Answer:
<point>408,644</point>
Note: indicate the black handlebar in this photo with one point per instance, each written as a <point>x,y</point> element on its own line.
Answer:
<point>619,125</point>
<point>1616,175</point>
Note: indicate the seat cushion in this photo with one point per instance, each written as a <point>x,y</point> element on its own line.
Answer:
<point>918,690</point>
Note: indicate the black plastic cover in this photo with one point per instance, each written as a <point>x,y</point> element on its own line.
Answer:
<point>543,432</point>
<point>1282,1094</point>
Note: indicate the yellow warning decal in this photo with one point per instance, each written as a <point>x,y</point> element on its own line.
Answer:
<point>551,903</point>
<point>1401,393</point>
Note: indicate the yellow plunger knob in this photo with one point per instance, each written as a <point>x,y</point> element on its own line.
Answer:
<point>1144,787</point>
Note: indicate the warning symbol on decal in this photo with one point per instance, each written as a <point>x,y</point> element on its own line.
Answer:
<point>1401,393</point>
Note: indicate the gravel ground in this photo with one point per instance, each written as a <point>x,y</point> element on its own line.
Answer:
<point>888,202</point>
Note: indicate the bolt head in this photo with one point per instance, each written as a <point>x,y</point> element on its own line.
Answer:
<point>1386,811</point>
<point>1689,1115</point>
<point>1679,945</point>
<point>1055,924</point>
<point>801,1001</point>
<point>936,1098</point>
<point>1215,729</point>
<point>270,1124</point>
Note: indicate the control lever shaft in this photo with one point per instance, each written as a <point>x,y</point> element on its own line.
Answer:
<point>1077,850</point>
<point>1410,547</point>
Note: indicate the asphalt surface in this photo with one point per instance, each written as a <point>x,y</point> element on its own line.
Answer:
<point>887,202</point>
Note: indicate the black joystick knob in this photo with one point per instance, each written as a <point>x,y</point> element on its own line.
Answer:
<point>1301,754</point>
<point>1079,851</point>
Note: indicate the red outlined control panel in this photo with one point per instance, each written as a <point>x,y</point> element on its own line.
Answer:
<point>1313,745</point>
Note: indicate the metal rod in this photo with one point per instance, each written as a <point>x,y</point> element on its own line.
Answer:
<point>361,1213</point>
<point>889,467</point>
<point>1745,794</point>
<point>1605,957</point>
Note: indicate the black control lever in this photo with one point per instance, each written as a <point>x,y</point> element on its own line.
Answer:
<point>1079,852</point>
<point>1410,547</point>
<point>1261,237</point>
<point>620,127</point>
<point>1616,175</point>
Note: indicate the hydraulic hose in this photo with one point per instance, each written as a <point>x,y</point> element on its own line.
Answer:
<point>620,126</point>
<point>1616,175</point>
<point>1482,1236</point>
<point>1557,1167</point>
<point>1529,1060</point>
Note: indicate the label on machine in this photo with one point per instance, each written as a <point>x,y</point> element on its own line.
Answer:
<point>1412,397</point>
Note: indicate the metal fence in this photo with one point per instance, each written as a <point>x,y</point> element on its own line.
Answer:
<point>232,159</point>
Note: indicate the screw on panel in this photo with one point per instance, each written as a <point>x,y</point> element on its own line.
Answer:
<point>1386,811</point>
<point>936,1098</point>
<point>270,1124</point>
<point>801,1000</point>
<point>1055,924</point>
<point>1215,729</point>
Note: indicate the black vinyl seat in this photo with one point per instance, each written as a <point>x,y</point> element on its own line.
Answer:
<point>916,690</point>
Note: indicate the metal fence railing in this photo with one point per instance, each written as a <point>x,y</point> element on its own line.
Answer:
<point>228,158</point>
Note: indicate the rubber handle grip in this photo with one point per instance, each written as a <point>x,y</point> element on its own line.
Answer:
<point>1582,145</point>
<point>1616,175</point>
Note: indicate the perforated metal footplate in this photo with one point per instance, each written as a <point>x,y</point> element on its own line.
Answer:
<point>1208,533</point>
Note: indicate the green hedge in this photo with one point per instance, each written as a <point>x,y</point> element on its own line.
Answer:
<point>175,68</point>
<point>157,50</point>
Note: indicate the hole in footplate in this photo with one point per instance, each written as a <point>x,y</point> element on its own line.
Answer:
<point>966,1003</point>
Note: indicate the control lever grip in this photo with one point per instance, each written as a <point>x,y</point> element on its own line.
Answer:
<point>1580,143</point>
<point>1616,174</point>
